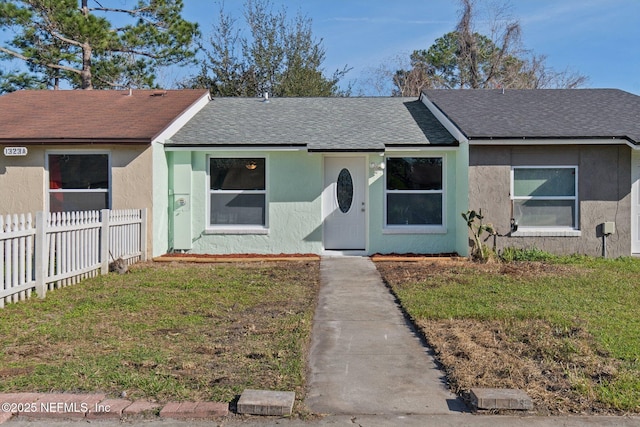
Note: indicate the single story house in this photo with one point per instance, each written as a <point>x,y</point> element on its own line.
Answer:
<point>85,150</point>
<point>557,170</point>
<point>316,175</point>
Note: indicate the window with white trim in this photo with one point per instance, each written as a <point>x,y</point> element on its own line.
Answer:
<point>78,182</point>
<point>238,193</point>
<point>414,191</point>
<point>545,197</point>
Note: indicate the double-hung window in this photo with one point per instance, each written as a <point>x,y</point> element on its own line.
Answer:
<point>414,192</point>
<point>545,197</point>
<point>238,193</point>
<point>78,182</point>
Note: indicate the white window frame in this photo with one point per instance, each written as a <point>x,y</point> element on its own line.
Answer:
<point>88,190</point>
<point>559,231</point>
<point>240,228</point>
<point>416,228</point>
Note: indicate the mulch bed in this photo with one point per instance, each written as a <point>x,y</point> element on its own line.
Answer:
<point>412,257</point>
<point>184,257</point>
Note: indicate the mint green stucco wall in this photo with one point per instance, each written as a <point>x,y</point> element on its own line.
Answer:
<point>294,194</point>
<point>294,188</point>
<point>382,240</point>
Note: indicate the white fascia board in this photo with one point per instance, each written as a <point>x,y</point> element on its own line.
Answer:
<point>443,119</point>
<point>553,141</point>
<point>412,149</point>
<point>209,148</point>
<point>182,119</point>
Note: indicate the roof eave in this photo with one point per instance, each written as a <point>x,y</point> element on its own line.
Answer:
<point>419,145</point>
<point>440,114</point>
<point>227,145</point>
<point>346,150</point>
<point>187,113</point>
<point>75,141</point>
<point>555,140</point>
<point>476,138</point>
<point>233,147</point>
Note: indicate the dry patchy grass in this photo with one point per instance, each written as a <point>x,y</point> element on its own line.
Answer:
<point>566,333</point>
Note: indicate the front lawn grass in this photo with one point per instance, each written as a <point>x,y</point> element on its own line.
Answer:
<point>165,332</point>
<point>567,331</point>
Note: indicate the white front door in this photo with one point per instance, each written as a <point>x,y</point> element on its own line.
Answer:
<point>635,202</point>
<point>343,203</point>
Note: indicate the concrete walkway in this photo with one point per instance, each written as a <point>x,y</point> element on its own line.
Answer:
<point>365,359</point>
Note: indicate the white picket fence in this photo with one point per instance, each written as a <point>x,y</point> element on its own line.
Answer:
<point>61,249</point>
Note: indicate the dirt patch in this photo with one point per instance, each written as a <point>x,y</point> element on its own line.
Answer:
<point>397,272</point>
<point>9,372</point>
<point>397,257</point>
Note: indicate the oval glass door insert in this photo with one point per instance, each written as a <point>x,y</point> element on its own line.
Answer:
<point>344,190</point>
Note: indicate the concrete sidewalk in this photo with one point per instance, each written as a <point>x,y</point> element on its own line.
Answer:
<point>461,420</point>
<point>365,359</point>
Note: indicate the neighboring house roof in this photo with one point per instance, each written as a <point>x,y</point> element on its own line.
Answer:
<point>91,116</point>
<point>319,124</point>
<point>541,113</point>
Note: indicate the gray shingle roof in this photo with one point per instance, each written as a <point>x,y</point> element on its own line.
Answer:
<point>320,124</point>
<point>542,113</point>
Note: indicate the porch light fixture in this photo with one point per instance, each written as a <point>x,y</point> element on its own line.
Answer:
<point>251,165</point>
<point>376,166</point>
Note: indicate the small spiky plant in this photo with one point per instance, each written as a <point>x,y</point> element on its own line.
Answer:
<point>478,250</point>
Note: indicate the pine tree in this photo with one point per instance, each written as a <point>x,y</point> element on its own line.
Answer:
<point>67,40</point>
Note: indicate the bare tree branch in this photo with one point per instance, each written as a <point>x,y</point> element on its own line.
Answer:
<point>131,12</point>
<point>136,52</point>
<point>32,61</point>
<point>64,39</point>
<point>467,59</point>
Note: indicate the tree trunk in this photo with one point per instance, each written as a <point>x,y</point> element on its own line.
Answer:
<point>85,74</point>
<point>473,63</point>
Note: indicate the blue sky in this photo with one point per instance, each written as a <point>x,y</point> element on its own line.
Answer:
<point>597,38</point>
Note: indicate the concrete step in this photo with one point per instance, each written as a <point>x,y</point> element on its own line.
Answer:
<point>500,398</point>
<point>265,402</point>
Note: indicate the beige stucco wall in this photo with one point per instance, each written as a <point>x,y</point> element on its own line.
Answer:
<point>23,180</point>
<point>604,191</point>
